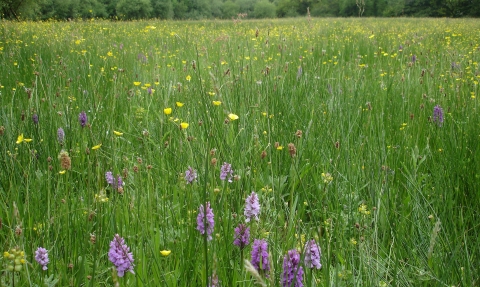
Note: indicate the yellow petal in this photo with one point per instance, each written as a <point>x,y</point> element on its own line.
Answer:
<point>27,140</point>
<point>167,111</point>
<point>62,172</point>
<point>118,133</point>
<point>19,139</point>
<point>179,104</point>
<point>232,117</point>
<point>217,103</point>
<point>137,83</point>
<point>165,252</point>
<point>97,146</point>
<point>184,125</point>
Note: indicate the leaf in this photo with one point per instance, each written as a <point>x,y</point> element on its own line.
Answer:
<point>50,281</point>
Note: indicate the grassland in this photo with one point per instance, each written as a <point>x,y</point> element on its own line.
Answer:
<point>329,121</point>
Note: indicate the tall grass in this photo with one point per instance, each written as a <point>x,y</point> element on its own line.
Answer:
<point>335,133</point>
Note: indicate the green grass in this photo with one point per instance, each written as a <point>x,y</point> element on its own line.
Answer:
<point>401,210</point>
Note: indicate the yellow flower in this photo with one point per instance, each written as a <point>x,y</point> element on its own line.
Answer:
<point>280,147</point>
<point>62,172</point>
<point>188,78</point>
<point>118,133</point>
<point>353,241</point>
<point>217,103</point>
<point>211,93</point>
<point>19,139</point>
<point>109,54</point>
<point>232,117</point>
<point>165,252</point>
<point>137,83</point>
<point>179,104</point>
<point>97,146</point>
<point>184,125</point>
<point>167,111</point>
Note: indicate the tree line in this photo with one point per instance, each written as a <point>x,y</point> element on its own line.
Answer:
<point>227,9</point>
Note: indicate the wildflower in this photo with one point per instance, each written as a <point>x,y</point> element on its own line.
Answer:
<point>118,133</point>
<point>60,135</point>
<point>190,175</point>
<point>137,83</point>
<point>35,119</point>
<point>225,170</point>
<point>242,236</point>
<point>414,58</point>
<point>438,115</point>
<point>82,118</point>
<point>167,111</point>
<point>165,252</point>
<point>41,256</point>
<point>217,103</point>
<point>184,125</point>
<point>97,146</point>
<point>179,104</point>
<point>15,259</point>
<point>327,178</point>
<point>188,78</point>
<point>109,177</point>
<point>62,172</point>
<point>292,272</point>
<point>120,255</point>
<point>292,149</point>
<point>65,160</point>
<point>312,255</point>
<point>116,183</point>
<point>232,117</point>
<point>209,220</point>
<point>19,139</point>
<point>260,255</point>
<point>252,207</point>
<point>213,281</point>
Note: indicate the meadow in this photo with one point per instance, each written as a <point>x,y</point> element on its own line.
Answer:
<point>359,134</point>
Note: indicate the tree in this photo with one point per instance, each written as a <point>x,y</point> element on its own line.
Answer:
<point>287,8</point>
<point>16,9</point>
<point>230,9</point>
<point>134,9</point>
<point>162,9</point>
<point>264,9</point>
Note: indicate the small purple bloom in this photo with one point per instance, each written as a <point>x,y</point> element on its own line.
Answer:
<point>120,255</point>
<point>252,207</point>
<point>242,236</point>
<point>149,90</point>
<point>41,256</point>
<point>119,182</point>
<point>438,115</point>
<point>110,178</point>
<point>35,119</point>
<point>82,118</point>
<point>312,255</point>
<point>190,175</point>
<point>213,281</point>
<point>260,256</point>
<point>400,48</point>
<point>226,170</point>
<point>292,272</point>
<point>414,58</point>
<point>60,135</point>
<point>209,220</point>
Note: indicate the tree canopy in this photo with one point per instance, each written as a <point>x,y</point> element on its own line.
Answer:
<point>227,9</point>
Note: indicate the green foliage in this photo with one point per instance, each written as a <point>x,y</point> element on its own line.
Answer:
<point>230,9</point>
<point>134,9</point>
<point>264,9</point>
<point>162,9</point>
